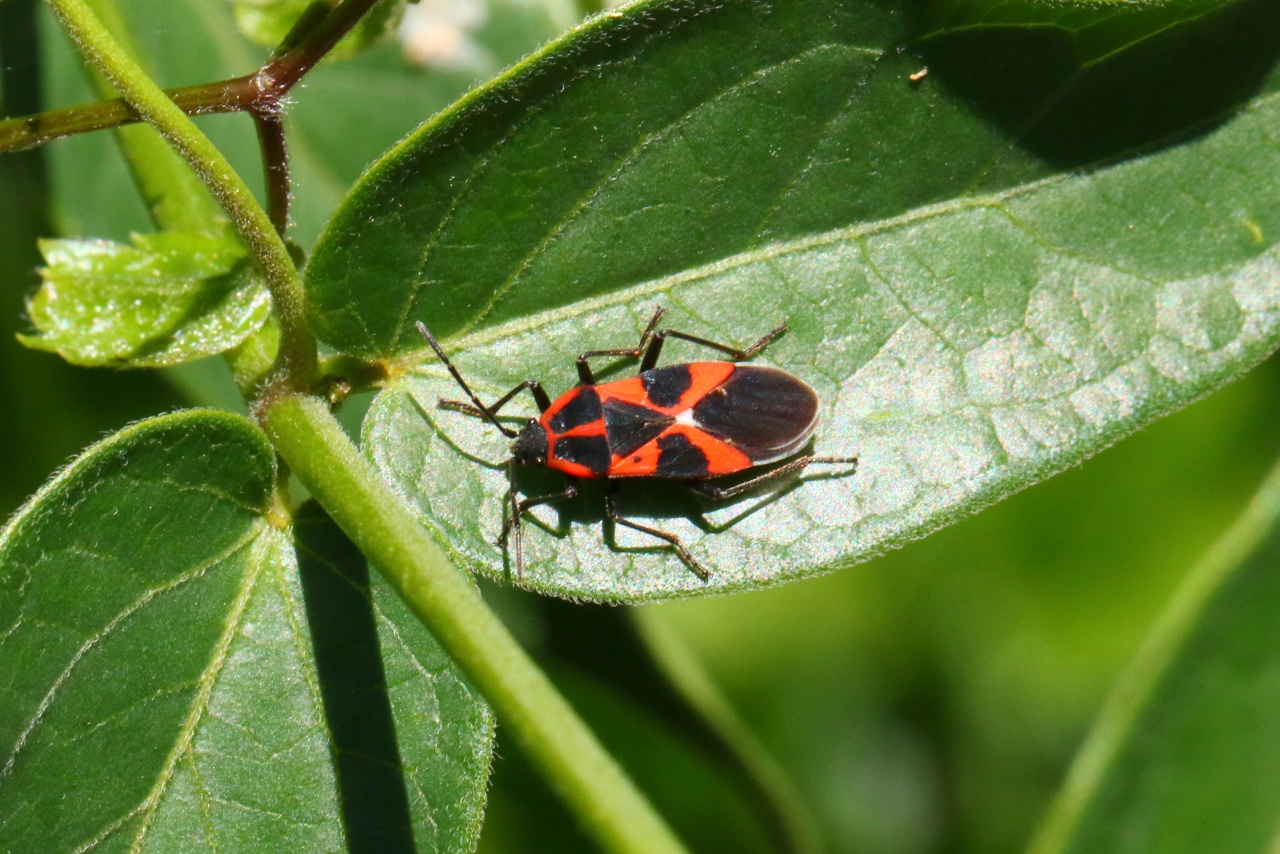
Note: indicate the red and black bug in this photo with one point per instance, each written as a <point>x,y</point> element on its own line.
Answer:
<point>692,422</point>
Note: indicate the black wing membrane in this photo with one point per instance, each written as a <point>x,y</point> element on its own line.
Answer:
<point>629,425</point>
<point>767,413</point>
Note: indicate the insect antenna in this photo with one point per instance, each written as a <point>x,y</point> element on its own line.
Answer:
<point>484,410</point>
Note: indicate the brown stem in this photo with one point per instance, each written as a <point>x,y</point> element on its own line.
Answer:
<point>275,166</point>
<point>260,92</point>
<point>307,21</point>
<point>287,69</point>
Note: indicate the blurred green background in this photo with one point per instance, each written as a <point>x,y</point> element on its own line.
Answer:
<point>928,701</point>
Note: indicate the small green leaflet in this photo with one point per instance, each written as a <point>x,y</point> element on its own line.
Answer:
<point>168,297</point>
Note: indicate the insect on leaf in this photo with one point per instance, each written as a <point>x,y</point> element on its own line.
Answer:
<point>990,273</point>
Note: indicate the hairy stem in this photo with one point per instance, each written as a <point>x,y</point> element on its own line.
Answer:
<point>17,134</point>
<point>546,728</point>
<point>297,344</point>
<point>275,167</point>
<point>287,69</point>
<point>175,197</point>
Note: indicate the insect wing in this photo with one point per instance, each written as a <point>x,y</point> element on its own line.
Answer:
<point>766,413</point>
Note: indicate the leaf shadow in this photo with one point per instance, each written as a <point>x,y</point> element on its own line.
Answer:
<point>353,686</point>
<point>1182,81</point>
<point>768,494</point>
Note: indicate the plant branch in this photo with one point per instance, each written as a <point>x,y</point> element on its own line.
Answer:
<point>283,71</point>
<point>23,132</point>
<point>275,167</point>
<point>261,91</point>
<point>297,345</point>
<point>547,729</point>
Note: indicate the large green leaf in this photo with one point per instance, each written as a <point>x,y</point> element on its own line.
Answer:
<point>1186,755</point>
<point>538,191</point>
<point>989,275</point>
<point>159,688</point>
<point>168,298</point>
<point>136,602</point>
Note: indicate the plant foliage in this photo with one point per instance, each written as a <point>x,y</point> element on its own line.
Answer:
<point>1004,236</point>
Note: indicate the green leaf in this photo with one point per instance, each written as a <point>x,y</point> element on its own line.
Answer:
<point>134,608</point>
<point>1097,29</point>
<point>986,282</point>
<point>1183,757</point>
<point>169,298</point>
<point>157,683</point>
<point>267,22</point>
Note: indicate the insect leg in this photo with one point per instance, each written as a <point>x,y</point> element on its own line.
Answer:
<point>611,510</point>
<point>511,526</point>
<point>655,346</point>
<point>479,408</point>
<point>491,411</point>
<point>584,370</point>
<point>719,493</point>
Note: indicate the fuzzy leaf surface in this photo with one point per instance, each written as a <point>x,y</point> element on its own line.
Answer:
<point>984,284</point>
<point>166,298</point>
<point>158,686</point>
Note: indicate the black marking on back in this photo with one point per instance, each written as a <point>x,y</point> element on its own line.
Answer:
<point>665,386</point>
<point>589,451</point>
<point>678,457</point>
<point>629,425</point>
<point>760,410</point>
<point>582,408</point>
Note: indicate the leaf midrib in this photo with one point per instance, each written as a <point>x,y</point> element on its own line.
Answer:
<point>208,678</point>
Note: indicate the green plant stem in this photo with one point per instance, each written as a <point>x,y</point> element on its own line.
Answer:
<point>1161,646</point>
<point>546,728</point>
<point>297,345</point>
